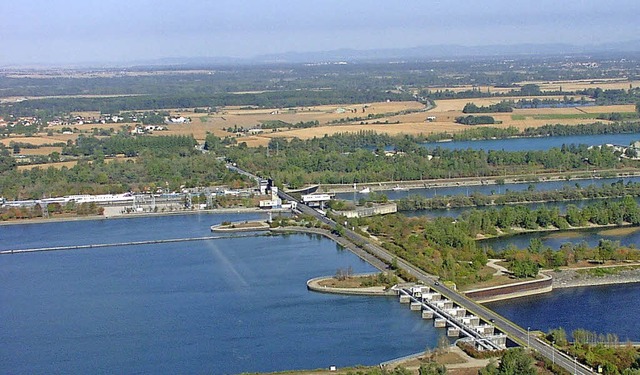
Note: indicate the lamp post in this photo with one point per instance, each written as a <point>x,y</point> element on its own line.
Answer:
<point>575,365</point>
<point>528,341</point>
<point>553,352</point>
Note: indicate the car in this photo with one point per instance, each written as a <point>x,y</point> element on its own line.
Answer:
<point>492,320</point>
<point>436,283</point>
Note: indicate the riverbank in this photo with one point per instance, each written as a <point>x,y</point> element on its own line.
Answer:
<point>241,226</point>
<point>546,283</point>
<point>315,285</point>
<point>580,277</point>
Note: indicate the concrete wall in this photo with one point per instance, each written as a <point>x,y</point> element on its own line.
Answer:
<point>512,290</point>
<point>382,209</point>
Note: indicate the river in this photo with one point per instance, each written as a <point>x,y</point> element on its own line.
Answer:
<point>218,306</point>
<point>221,306</point>
<point>556,238</point>
<point>603,309</point>
<point>489,189</point>
<point>538,143</point>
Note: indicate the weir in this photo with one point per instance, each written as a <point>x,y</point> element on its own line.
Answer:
<point>131,243</point>
<point>447,314</point>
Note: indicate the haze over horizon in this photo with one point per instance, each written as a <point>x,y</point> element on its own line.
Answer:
<point>43,32</point>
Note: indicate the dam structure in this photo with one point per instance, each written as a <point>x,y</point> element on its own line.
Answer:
<point>456,319</point>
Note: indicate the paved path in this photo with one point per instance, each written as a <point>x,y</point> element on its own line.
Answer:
<point>499,269</point>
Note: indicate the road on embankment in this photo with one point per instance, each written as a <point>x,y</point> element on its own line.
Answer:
<point>512,330</point>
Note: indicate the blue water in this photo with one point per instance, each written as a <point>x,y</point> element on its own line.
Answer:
<point>490,189</point>
<point>603,309</point>
<point>456,212</point>
<point>103,231</point>
<point>537,143</point>
<point>216,306</point>
<point>555,239</point>
<point>223,306</point>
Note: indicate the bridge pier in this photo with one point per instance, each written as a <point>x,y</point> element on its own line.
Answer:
<point>453,332</point>
<point>444,304</point>
<point>457,312</point>
<point>449,315</point>
<point>427,314</point>
<point>440,323</point>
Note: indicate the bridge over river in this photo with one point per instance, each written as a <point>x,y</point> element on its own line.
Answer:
<point>513,331</point>
<point>447,314</point>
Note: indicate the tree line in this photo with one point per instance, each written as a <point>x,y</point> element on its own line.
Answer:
<point>503,106</point>
<point>447,247</point>
<point>475,120</point>
<point>363,157</point>
<point>596,128</point>
<point>574,193</point>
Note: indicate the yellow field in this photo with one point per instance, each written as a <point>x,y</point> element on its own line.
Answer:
<point>605,84</point>
<point>39,140</point>
<point>57,165</point>
<point>69,163</point>
<point>40,151</point>
<point>415,123</point>
<point>573,85</point>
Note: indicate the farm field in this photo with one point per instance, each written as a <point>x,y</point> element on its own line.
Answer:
<point>414,123</point>
<point>574,85</point>
<point>408,117</point>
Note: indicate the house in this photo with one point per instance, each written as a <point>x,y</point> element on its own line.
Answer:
<point>179,120</point>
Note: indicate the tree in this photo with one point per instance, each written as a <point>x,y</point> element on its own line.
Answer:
<point>558,335</point>
<point>443,344</point>
<point>523,268</point>
<point>54,157</point>
<point>432,368</point>
<point>489,369</point>
<point>606,249</point>
<point>516,362</point>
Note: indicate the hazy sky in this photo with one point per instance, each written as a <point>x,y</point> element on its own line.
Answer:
<point>72,31</point>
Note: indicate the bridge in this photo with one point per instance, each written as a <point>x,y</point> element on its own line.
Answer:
<point>120,244</point>
<point>513,331</point>
<point>433,305</point>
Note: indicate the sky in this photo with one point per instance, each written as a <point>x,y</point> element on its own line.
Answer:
<point>78,31</point>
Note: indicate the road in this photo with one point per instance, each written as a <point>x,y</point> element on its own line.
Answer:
<point>512,330</point>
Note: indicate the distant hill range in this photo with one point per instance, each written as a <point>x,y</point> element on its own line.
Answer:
<point>450,51</point>
<point>443,51</point>
<point>435,52</point>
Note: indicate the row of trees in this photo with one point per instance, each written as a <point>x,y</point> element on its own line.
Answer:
<point>475,120</point>
<point>130,145</point>
<point>448,248</point>
<point>344,159</point>
<point>541,131</point>
<point>503,106</point>
<point>268,99</point>
<point>617,189</point>
<point>146,173</point>
<point>55,209</point>
<point>600,351</point>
